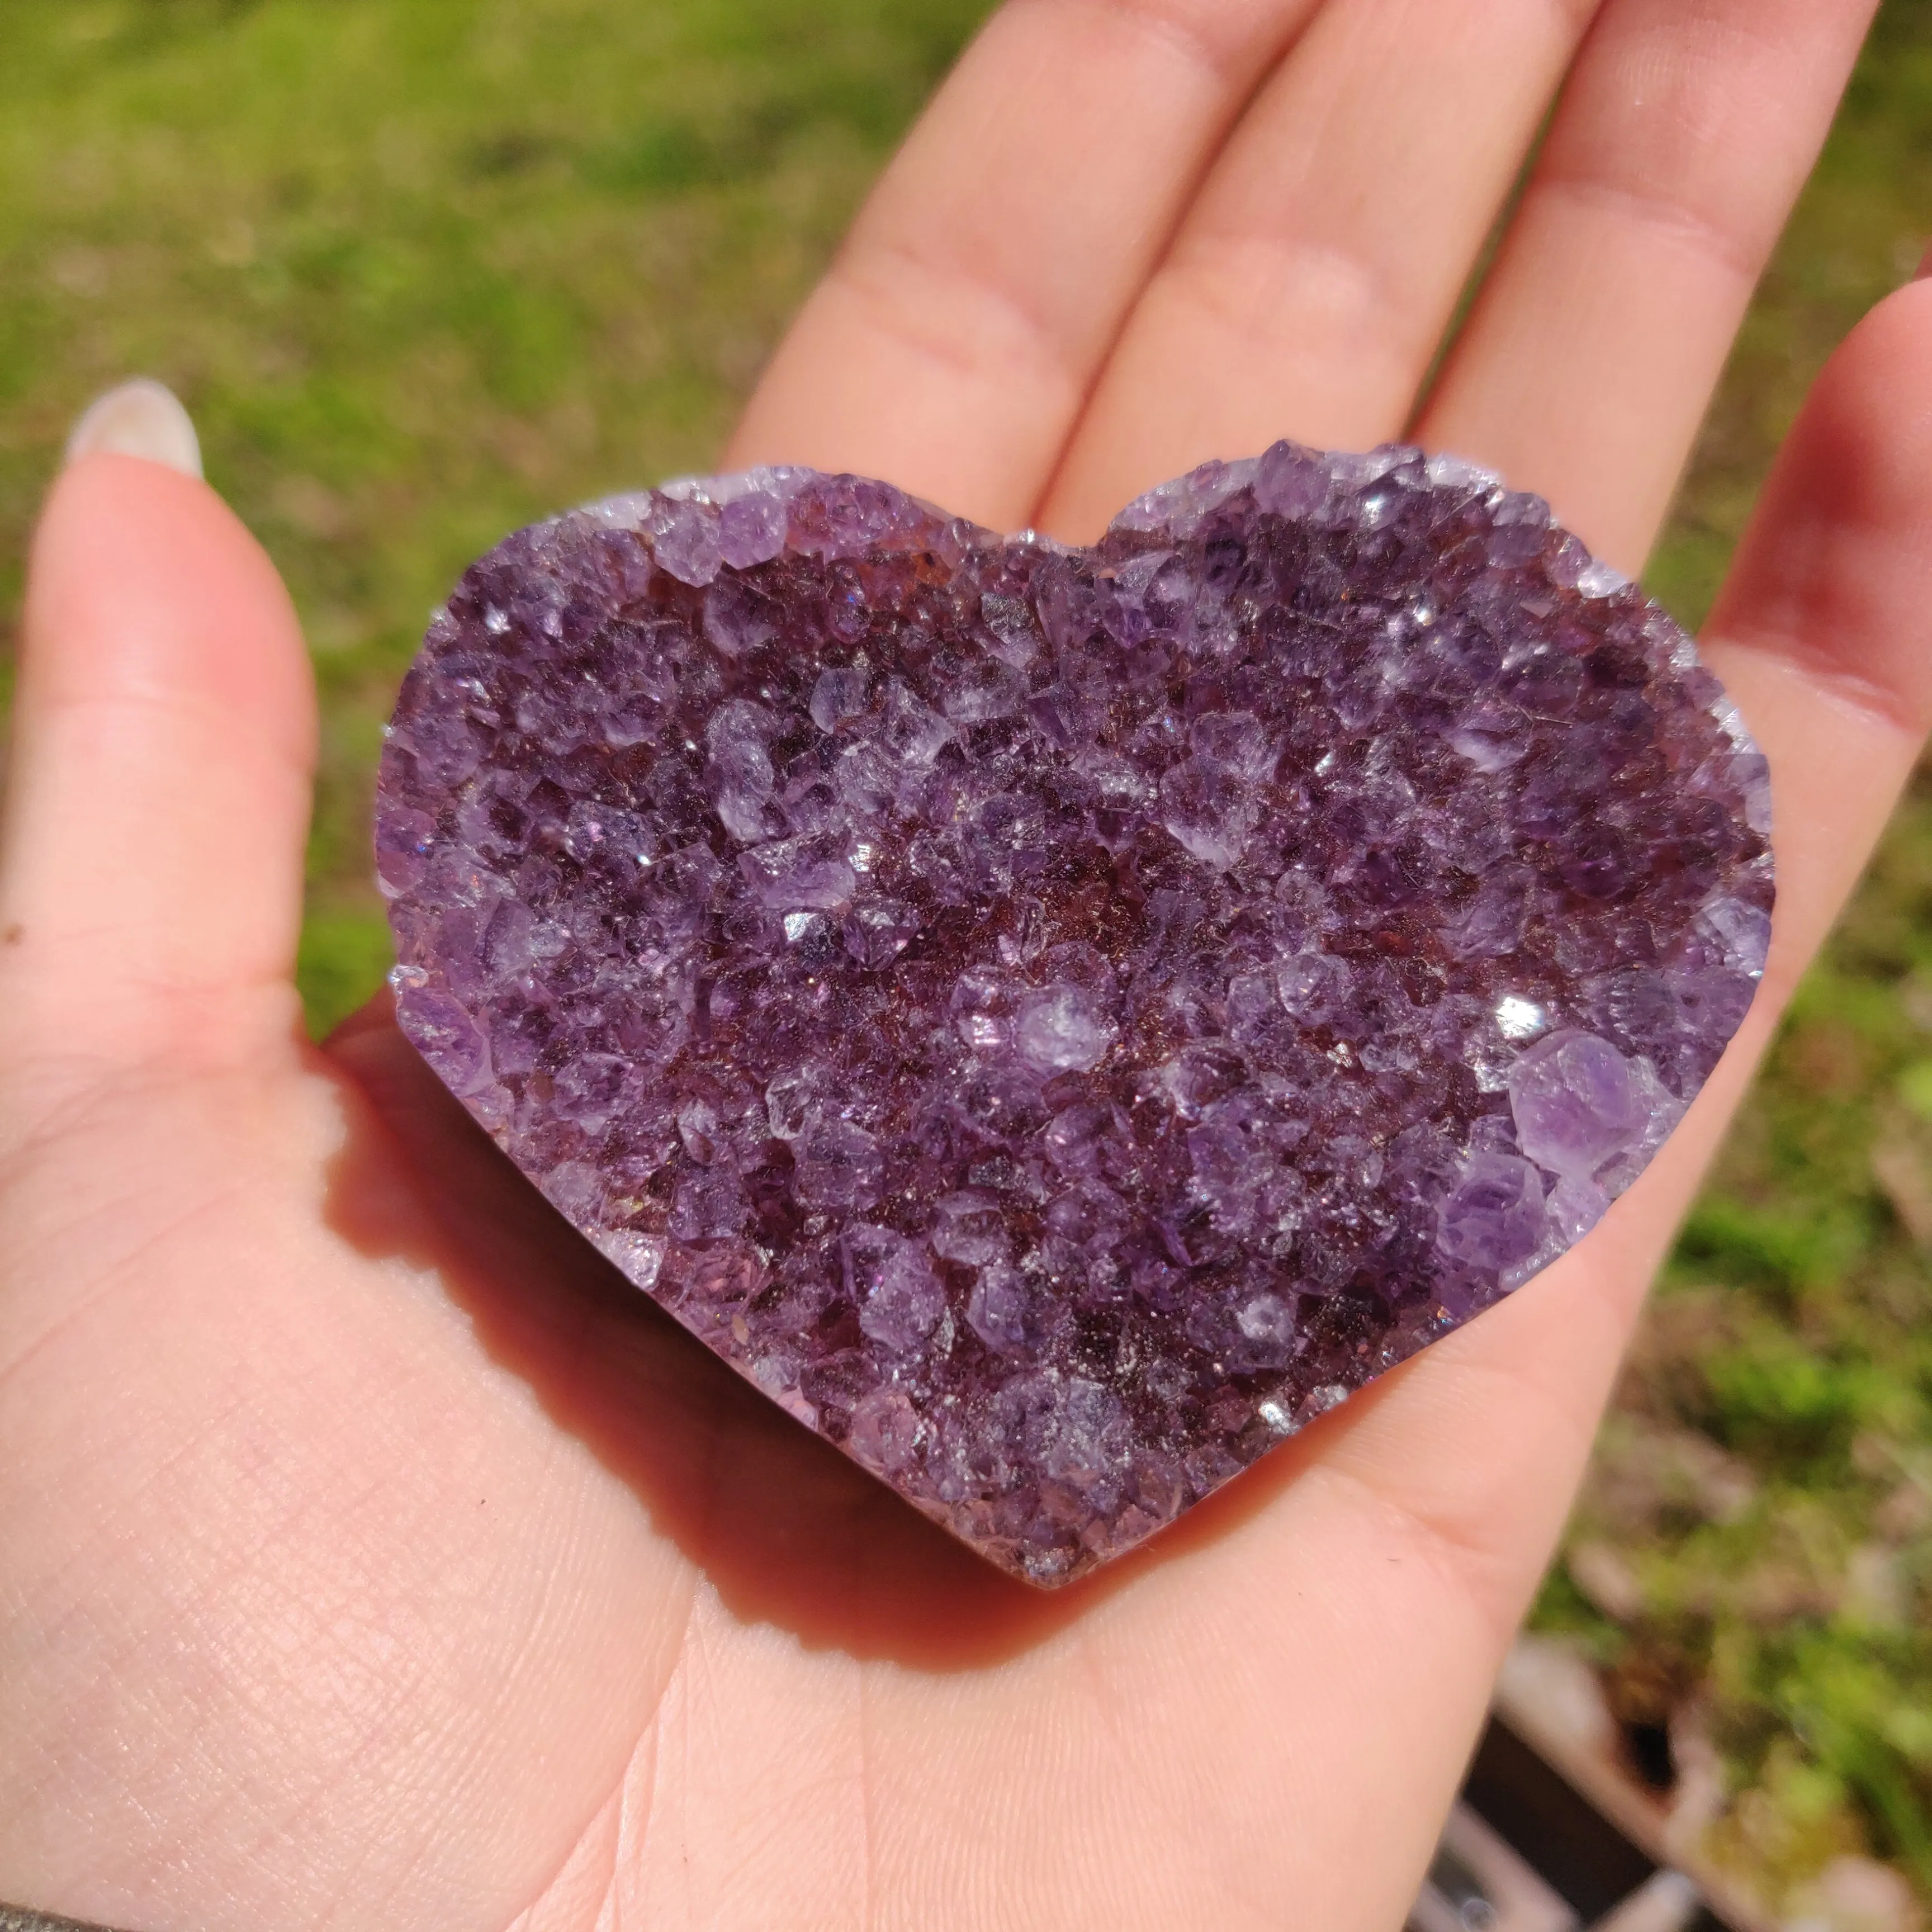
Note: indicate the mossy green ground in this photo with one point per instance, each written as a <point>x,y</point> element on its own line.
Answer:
<point>425,271</point>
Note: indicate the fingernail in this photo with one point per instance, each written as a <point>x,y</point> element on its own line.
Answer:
<point>143,419</point>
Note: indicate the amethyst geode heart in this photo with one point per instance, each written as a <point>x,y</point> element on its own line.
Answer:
<point>1057,1020</point>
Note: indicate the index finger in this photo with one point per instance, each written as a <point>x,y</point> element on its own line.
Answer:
<point>952,343</point>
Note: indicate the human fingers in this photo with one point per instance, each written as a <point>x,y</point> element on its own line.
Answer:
<point>1318,1643</point>
<point>150,871</point>
<point>1418,1525</point>
<point>1589,359</point>
<point>1307,291</point>
<point>952,343</point>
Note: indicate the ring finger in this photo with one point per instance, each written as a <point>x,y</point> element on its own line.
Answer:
<point>1682,141</point>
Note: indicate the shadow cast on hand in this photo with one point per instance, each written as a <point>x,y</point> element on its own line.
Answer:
<point>785,1528</point>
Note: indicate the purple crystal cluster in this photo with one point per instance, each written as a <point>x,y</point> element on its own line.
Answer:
<point>1057,1020</point>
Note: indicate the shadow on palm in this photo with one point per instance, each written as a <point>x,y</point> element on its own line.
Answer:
<point>785,1528</point>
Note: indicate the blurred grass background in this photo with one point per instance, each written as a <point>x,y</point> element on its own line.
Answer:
<point>425,271</point>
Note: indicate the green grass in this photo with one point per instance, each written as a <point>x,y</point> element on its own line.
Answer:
<point>425,271</point>
<point>1793,1332</point>
<point>422,272</point>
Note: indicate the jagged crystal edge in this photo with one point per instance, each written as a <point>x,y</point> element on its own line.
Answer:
<point>1058,1020</point>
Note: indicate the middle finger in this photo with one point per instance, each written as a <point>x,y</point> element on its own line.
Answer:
<point>1307,290</point>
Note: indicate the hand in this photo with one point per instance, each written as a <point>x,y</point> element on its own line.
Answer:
<point>370,1553</point>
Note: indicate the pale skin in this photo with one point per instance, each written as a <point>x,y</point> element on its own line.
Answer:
<point>368,1554</point>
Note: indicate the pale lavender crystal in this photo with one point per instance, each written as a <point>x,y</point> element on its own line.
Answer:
<point>1057,1021</point>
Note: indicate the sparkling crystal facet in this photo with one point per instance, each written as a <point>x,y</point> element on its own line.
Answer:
<point>1058,1020</point>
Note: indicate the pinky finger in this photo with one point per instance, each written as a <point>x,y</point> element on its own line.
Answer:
<point>1823,632</point>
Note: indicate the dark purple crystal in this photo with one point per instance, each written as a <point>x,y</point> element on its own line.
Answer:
<point>1057,1020</point>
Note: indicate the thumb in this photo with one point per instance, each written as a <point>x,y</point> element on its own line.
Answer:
<point>158,790</point>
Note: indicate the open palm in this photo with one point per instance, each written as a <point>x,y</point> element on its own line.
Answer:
<point>370,1553</point>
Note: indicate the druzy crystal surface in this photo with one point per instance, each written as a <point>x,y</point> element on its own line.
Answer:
<point>1057,1020</point>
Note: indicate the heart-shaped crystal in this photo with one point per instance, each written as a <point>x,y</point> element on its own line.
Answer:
<point>1057,1019</point>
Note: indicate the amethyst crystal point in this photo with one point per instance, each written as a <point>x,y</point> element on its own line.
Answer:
<point>1057,1020</point>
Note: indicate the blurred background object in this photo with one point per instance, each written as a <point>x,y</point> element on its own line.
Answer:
<point>423,272</point>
